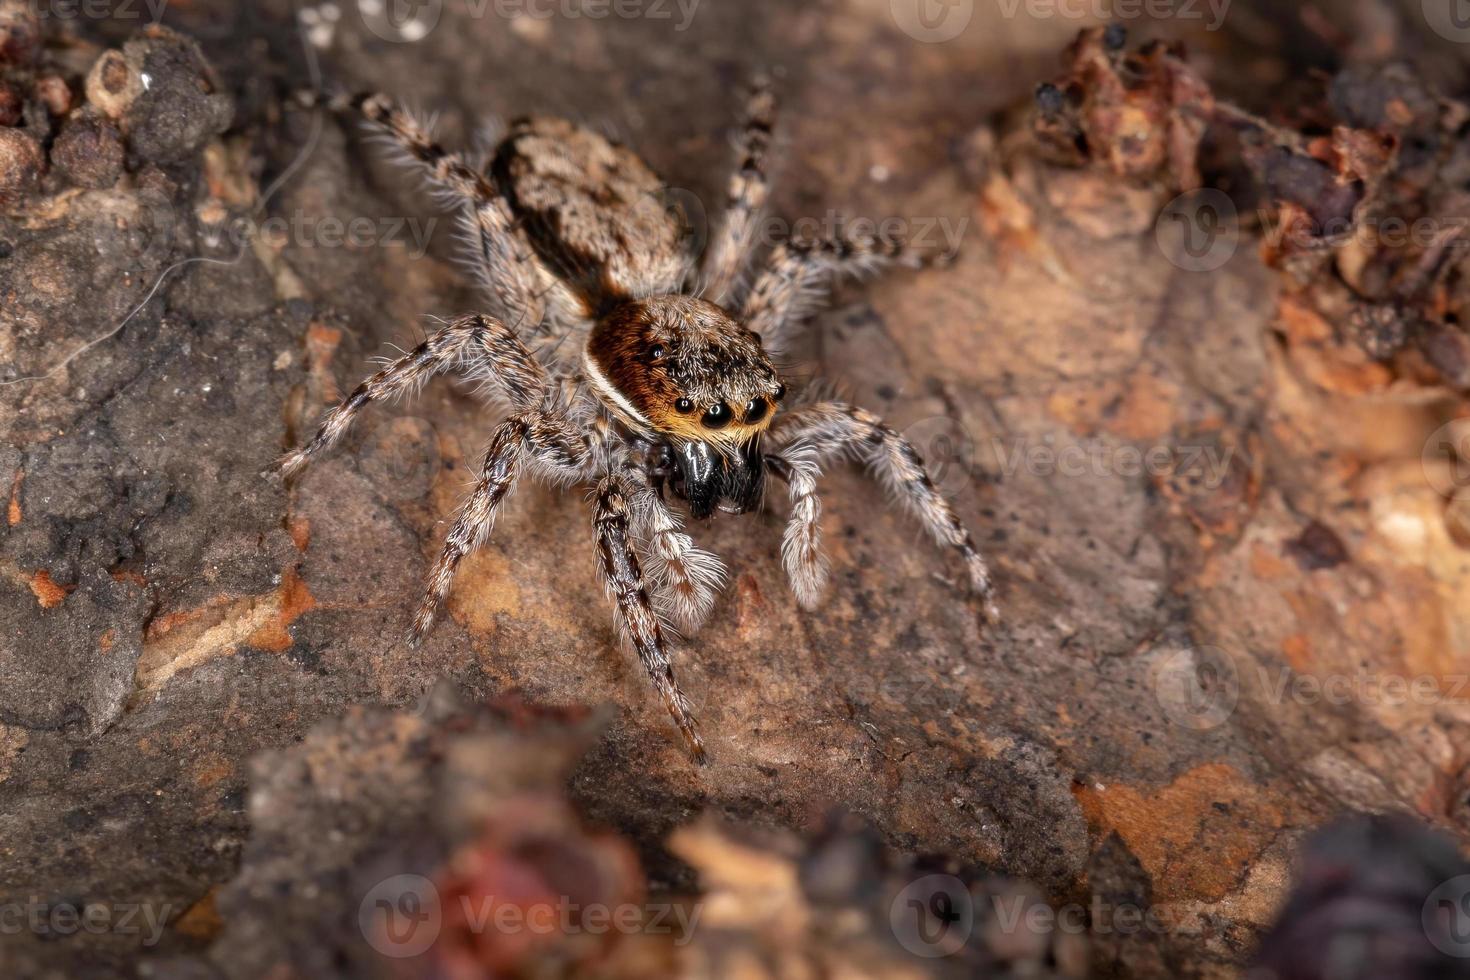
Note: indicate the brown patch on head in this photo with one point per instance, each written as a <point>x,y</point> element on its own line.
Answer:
<point>686,368</point>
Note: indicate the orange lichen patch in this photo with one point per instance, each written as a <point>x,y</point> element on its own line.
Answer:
<point>1334,367</point>
<point>1266,565</point>
<point>1197,837</point>
<point>1140,407</point>
<point>1297,649</point>
<point>187,639</point>
<point>300,530</point>
<point>202,919</point>
<point>486,590</point>
<point>106,641</point>
<point>294,600</point>
<point>12,512</point>
<point>1302,324</point>
<point>214,770</point>
<point>321,344</point>
<point>48,593</point>
<point>162,625</point>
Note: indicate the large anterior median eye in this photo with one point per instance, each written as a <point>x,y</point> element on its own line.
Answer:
<point>755,411</point>
<point>717,416</point>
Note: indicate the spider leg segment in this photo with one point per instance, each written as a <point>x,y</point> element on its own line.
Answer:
<point>799,273</point>
<point>509,364</point>
<point>506,267</point>
<point>686,579</point>
<point>635,613</point>
<point>801,545</point>
<point>447,169</point>
<point>547,442</point>
<point>724,262</point>
<point>832,430</point>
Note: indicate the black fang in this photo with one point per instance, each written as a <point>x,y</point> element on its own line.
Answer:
<point>708,479</point>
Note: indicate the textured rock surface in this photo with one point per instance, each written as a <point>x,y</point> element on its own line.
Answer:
<point>1177,475</point>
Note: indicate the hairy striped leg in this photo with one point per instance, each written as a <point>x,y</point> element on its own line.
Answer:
<point>636,617</point>
<point>801,545</point>
<point>505,265</point>
<point>799,274</point>
<point>724,262</point>
<point>547,442</point>
<point>508,364</point>
<point>833,430</point>
<point>686,579</point>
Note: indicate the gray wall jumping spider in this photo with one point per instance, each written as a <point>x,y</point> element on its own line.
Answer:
<point>635,367</point>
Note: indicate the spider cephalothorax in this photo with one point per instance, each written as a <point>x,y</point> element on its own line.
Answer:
<point>680,369</point>
<point>649,370</point>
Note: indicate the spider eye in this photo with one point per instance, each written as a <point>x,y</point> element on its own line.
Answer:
<point>755,411</point>
<point>657,352</point>
<point>717,416</point>
<point>780,391</point>
<point>683,406</point>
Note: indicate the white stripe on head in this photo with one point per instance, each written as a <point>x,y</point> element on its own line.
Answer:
<point>604,390</point>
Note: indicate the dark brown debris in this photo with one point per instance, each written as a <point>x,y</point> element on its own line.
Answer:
<point>1140,114</point>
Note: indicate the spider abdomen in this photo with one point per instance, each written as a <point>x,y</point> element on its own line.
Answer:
<point>592,210</point>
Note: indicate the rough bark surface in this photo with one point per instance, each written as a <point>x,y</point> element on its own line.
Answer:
<point>1210,512</point>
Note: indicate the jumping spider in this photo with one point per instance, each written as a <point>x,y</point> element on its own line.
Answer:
<point>628,363</point>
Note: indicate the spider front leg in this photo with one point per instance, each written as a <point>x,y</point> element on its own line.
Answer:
<point>538,437</point>
<point>799,274</point>
<point>505,265</point>
<point>801,546</point>
<point>635,613</point>
<point>832,430</point>
<point>686,578</point>
<point>510,365</point>
<point>725,260</point>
